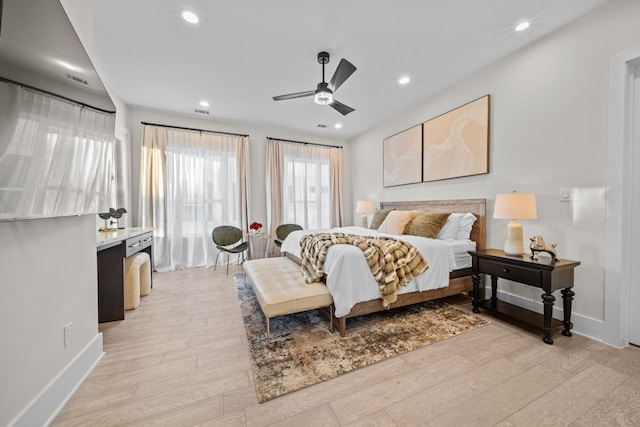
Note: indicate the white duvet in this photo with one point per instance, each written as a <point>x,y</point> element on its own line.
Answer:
<point>349,279</point>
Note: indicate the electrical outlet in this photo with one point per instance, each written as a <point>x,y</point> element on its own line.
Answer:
<point>67,333</point>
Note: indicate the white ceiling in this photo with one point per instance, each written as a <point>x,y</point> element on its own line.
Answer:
<point>242,53</point>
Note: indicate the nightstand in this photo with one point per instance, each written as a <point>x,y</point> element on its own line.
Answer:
<point>543,273</point>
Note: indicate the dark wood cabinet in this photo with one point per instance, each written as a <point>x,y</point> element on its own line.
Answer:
<point>543,273</point>
<point>112,249</point>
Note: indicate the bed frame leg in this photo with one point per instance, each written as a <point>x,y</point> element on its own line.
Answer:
<point>342,326</point>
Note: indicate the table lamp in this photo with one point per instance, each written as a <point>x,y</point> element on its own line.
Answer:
<point>364,207</point>
<point>515,206</point>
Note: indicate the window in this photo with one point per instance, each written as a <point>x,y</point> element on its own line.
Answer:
<point>202,188</point>
<point>58,159</point>
<point>306,187</point>
<point>191,182</point>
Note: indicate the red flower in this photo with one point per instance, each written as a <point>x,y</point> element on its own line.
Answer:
<point>255,226</point>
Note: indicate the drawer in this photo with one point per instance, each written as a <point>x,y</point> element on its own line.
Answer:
<point>136,244</point>
<point>511,272</point>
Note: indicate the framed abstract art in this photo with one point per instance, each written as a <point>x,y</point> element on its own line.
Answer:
<point>402,157</point>
<point>456,143</point>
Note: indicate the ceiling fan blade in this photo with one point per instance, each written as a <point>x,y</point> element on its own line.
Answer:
<point>342,73</point>
<point>294,95</point>
<point>341,108</point>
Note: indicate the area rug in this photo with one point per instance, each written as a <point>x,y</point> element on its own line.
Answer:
<point>301,351</point>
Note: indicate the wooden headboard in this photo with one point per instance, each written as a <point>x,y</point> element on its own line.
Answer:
<point>475,206</point>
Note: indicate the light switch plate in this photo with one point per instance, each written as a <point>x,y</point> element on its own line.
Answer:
<point>568,194</point>
<point>68,333</point>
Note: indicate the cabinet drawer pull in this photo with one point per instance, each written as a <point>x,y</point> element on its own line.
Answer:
<point>148,239</point>
<point>135,245</point>
<point>505,270</point>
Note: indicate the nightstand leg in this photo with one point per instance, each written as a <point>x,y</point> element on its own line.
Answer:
<point>548,300</point>
<point>567,297</point>
<point>494,291</point>
<point>475,278</point>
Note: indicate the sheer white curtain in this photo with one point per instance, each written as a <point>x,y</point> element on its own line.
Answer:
<point>120,194</point>
<point>310,181</point>
<point>59,156</point>
<point>191,182</point>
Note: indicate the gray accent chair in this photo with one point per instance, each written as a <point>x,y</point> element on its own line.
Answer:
<point>225,237</point>
<point>282,231</point>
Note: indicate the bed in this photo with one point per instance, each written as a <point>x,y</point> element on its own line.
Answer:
<point>443,278</point>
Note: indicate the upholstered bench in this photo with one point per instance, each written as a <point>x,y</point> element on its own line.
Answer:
<point>137,279</point>
<point>280,288</point>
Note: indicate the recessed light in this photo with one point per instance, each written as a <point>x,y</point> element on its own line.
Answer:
<point>204,103</point>
<point>190,17</point>
<point>404,80</point>
<point>338,126</point>
<point>522,26</point>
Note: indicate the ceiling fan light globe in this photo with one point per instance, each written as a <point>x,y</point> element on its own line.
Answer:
<point>324,98</point>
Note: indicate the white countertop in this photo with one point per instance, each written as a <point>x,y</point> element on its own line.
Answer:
<point>106,238</point>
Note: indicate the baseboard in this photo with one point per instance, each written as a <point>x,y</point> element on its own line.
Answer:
<point>582,325</point>
<point>50,401</point>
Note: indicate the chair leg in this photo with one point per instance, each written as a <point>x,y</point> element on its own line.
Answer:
<point>216,264</point>
<point>227,263</point>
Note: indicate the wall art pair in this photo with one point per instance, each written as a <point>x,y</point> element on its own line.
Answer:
<point>452,145</point>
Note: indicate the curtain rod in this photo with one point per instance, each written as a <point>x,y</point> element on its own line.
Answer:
<point>194,129</point>
<point>55,95</point>
<point>306,143</point>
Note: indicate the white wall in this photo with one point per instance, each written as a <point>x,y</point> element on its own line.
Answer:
<point>47,279</point>
<point>80,13</point>
<point>257,154</point>
<point>548,131</point>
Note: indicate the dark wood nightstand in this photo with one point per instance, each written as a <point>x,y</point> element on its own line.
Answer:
<point>543,273</point>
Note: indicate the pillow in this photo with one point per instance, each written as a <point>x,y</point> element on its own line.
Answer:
<point>449,229</point>
<point>378,217</point>
<point>396,222</point>
<point>464,229</point>
<point>427,224</point>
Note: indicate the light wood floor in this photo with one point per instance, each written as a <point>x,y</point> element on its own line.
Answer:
<point>181,359</point>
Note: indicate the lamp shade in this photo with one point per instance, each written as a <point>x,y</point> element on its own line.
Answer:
<point>515,206</point>
<point>364,207</point>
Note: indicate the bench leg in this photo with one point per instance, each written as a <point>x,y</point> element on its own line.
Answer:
<point>330,318</point>
<point>267,326</point>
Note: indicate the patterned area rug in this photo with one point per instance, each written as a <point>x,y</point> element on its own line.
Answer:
<point>301,351</point>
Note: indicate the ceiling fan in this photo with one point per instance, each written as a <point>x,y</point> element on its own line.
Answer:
<point>324,92</point>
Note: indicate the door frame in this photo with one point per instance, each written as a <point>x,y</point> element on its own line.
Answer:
<point>618,242</point>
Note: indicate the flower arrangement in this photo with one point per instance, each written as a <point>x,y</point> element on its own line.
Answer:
<point>255,227</point>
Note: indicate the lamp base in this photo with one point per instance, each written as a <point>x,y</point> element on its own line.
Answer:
<point>513,242</point>
<point>364,221</point>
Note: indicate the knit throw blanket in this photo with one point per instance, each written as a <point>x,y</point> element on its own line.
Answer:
<point>392,262</point>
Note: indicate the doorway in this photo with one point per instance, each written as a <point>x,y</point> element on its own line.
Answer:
<point>621,324</point>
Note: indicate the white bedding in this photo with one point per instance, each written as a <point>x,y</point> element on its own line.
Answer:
<point>461,250</point>
<point>350,281</point>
